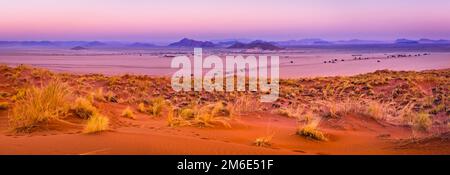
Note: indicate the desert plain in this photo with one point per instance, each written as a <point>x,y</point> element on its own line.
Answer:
<point>121,102</point>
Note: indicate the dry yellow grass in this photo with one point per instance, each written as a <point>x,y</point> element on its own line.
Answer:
<point>293,111</point>
<point>263,141</point>
<point>19,94</point>
<point>206,116</point>
<point>96,123</point>
<point>311,131</point>
<point>187,114</point>
<point>111,97</point>
<point>244,104</point>
<point>422,121</point>
<point>209,115</point>
<point>83,108</point>
<point>39,105</point>
<point>157,105</point>
<point>98,95</point>
<point>369,108</point>
<point>174,119</point>
<point>220,110</point>
<point>377,110</point>
<point>128,113</point>
<point>142,108</point>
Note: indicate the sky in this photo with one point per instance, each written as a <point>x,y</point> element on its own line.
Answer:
<point>170,20</point>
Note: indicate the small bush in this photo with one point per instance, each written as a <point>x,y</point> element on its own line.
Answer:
<point>244,104</point>
<point>157,105</point>
<point>128,113</point>
<point>39,105</point>
<point>187,114</point>
<point>206,117</point>
<point>220,110</point>
<point>376,110</point>
<point>111,97</point>
<point>263,141</point>
<point>422,121</point>
<point>83,108</point>
<point>310,131</point>
<point>142,108</point>
<point>291,112</point>
<point>97,123</point>
<point>98,95</point>
<point>174,119</point>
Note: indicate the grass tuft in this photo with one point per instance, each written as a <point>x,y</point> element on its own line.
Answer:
<point>157,105</point>
<point>128,113</point>
<point>83,108</point>
<point>97,123</point>
<point>263,141</point>
<point>39,105</point>
<point>311,131</point>
<point>422,121</point>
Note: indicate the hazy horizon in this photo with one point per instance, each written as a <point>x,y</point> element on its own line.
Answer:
<point>167,21</point>
<point>216,40</point>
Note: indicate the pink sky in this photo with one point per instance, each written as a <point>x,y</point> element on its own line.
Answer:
<point>165,20</point>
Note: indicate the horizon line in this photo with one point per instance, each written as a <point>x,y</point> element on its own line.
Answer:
<point>220,40</point>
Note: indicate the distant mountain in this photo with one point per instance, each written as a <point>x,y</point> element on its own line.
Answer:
<point>358,41</point>
<point>258,44</point>
<point>185,42</point>
<point>405,41</point>
<point>229,42</point>
<point>308,41</point>
<point>95,44</point>
<point>141,45</point>
<point>78,48</point>
<point>37,43</point>
<point>430,41</point>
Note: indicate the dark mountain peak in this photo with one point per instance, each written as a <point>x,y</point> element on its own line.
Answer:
<point>257,44</point>
<point>78,48</point>
<point>405,41</point>
<point>186,42</point>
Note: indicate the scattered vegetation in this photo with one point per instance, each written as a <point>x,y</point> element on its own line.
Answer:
<point>399,97</point>
<point>206,116</point>
<point>155,106</point>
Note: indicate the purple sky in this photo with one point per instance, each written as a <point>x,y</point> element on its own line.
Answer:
<point>169,20</point>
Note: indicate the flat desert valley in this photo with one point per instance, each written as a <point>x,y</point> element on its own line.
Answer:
<point>61,101</point>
